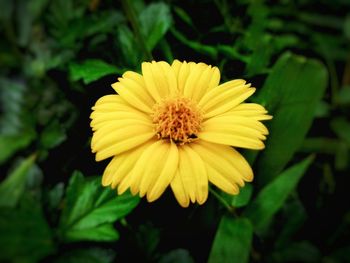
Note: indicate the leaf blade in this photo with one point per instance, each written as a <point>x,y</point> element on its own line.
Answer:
<point>290,93</point>
<point>271,198</point>
<point>232,241</point>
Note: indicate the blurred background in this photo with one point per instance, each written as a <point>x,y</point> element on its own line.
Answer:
<point>58,57</point>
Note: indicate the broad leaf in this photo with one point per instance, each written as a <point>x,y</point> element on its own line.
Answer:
<point>272,197</point>
<point>240,200</point>
<point>104,232</point>
<point>130,50</point>
<point>341,127</point>
<point>243,198</point>
<point>232,242</point>
<point>11,189</point>
<point>25,234</point>
<point>10,144</point>
<point>155,21</point>
<point>294,215</point>
<point>15,128</point>
<point>90,210</point>
<point>91,70</point>
<point>52,135</point>
<point>291,94</point>
<point>302,251</point>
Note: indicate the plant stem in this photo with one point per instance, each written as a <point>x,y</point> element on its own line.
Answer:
<point>222,201</point>
<point>131,15</point>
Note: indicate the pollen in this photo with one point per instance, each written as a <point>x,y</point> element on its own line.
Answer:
<point>177,119</point>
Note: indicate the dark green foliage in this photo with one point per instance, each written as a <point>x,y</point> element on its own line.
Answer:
<point>58,57</point>
<point>291,93</point>
<point>232,241</point>
<point>90,210</point>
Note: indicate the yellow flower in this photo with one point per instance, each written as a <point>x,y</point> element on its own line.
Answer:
<point>175,125</point>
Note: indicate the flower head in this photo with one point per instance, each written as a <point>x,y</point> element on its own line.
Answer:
<point>175,125</point>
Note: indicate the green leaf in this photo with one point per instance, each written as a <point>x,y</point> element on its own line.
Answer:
<point>302,251</point>
<point>291,94</point>
<point>11,189</point>
<point>52,135</point>
<point>329,21</point>
<point>24,21</point>
<point>10,144</point>
<point>272,197</point>
<point>195,45</point>
<point>104,232</point>
<point>341,127</point>
<point>6,9</point>
<point>91,70</point>
<point>90,210</point>
<point>12,98</point>
<point>232,241</point>
<point>322,110</point>
<point>232,52</point>
<point>342,156</point>
<point>243,198</point>
<point>25,234</point>
<point>130,50</point>
<point>320,145</point>
<point>183,16</point>
<point>147,239</point>
<point>15,130</point>
<point>155,21</point>
<point>343,96</point>
<point>294,215</point>
<point>260,57</point>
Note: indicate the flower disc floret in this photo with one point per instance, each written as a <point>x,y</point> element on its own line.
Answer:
<point>177,119</point>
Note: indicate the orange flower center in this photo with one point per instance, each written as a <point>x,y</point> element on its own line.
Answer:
<point>177,119</point>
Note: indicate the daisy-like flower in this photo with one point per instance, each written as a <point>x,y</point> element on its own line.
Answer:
<point>175,125</point>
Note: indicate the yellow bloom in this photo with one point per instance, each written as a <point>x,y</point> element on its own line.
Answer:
<point>175,125</point>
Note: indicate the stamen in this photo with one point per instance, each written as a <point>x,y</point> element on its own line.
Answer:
<point>177,119</point>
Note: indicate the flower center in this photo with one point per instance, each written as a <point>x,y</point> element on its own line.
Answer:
<point>177,119</point>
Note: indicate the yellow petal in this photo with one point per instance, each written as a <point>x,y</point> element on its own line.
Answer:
<point>169,163</point>
<point>135,77</point>
<point>194,178</point>
<point>134,94</point>
<point>252,110</point>
<point>111,132</point>
<point>235,131</point>
<point>170,77</point>
<point>236,124</point>
<point>178,188</point>
<point>157,168</point>
<point>226,161</point>
<point>144,164</point>
<point>221,181</point>
<point>113,103</point>
<point>197,81</point>
<point>100,119</point>
<point>159,78</point>
<point>215,79</point>
<point>235,86</point>
<point>233,140</point>
<point>225,97</point>
<point>109,99</point>
<point>120,140</point>
<point>181,70</point>
<point>121,165</point>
